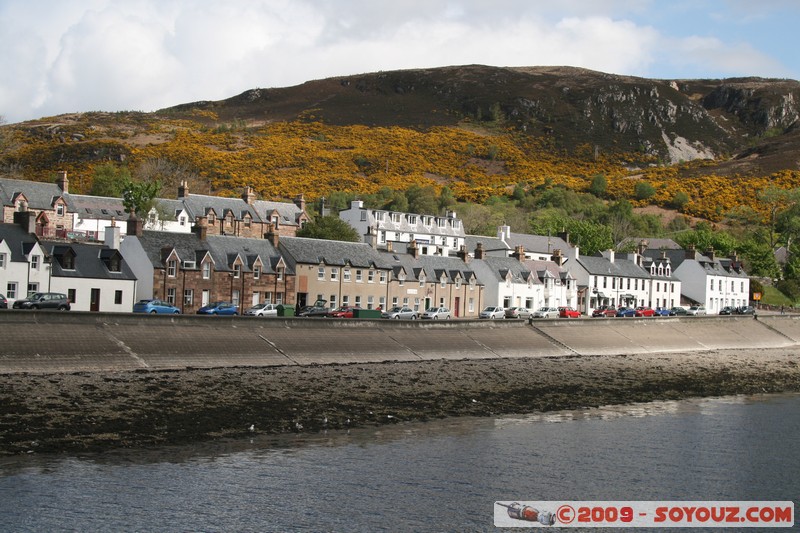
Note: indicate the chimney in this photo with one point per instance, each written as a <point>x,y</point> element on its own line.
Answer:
<point>564,235</point>
<point>479,252</point>
<point>135,225</point>
<point>300,201</point>
<point>249,195</point>
<point>413,249</point>
<point>663,254</point>
<point>112,237</point>
<point>557,257</point>
<point>690,252</point>
<point>271,235</point>
<point>201,227</point>
<point>710,253</point>
<point>519,252</point>
<point>183,189</point>
<point>389,246</point>
<point>62,181</point>
<point>504,233</point>
<point>25,220</point>
<point>462,254</point>
<point>611,255</point>
<point>642,247</point>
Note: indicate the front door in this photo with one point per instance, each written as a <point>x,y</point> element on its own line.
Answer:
<point>457,307</point>
<point>94,301</point>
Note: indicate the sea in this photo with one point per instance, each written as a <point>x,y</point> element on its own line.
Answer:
<point>439,476</point>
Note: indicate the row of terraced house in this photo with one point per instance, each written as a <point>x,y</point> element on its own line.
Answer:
<point>245,250</point>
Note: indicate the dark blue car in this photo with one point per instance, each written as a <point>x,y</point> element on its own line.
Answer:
<point>218,308</point>
<point>626,312</point>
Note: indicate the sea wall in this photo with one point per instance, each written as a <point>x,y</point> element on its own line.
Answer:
<point>49,342</point>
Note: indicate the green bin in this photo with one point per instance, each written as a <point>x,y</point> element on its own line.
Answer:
<point>366,313</point>
<point>285,310</point>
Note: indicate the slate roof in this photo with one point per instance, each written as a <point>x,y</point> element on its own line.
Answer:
<point>494,269</point>
<point>223,250</point>
<point>715,267</point>
<point>543,244</point>
<point>40,195</point>
<point>19,241</point>
<point>652,244</point>
<point>88,261</point>
<point>433,266</point>
<point>101,207</point>
<point>201,205</point>
<point>601,266</point>
<point>490,244</point>
<point>334,253</point>
<point>288,212</point>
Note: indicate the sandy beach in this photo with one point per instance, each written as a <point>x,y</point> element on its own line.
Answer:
<point>51,413</point>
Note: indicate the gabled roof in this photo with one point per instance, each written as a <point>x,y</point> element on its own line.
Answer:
<point>540,244</point>
<point>201,205</point>
<point>288,212</point>
<point>491,245</point>
<point>101,207</point>
<point>90,261</point>
<point>716,267</point>
<point>39,195</point>
<point>652,244</point>
<point>432,266</point>
<point>20,242</point>
<point>621,268</point>
<point>495,269</point>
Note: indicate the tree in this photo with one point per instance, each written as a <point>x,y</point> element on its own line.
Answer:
<point>140,196</point>
<point>422,200</point>
<point>644,190</point>
<point>679,200</point>
<point>110,180</point>
<point>599,185</point>
<point>331,228</point>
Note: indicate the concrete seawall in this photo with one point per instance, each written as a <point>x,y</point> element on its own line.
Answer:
<point>49,342</point>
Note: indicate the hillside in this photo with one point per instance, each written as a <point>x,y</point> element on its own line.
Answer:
<point>477,129</point>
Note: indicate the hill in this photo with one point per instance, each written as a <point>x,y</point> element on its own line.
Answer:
<point>477,129</point>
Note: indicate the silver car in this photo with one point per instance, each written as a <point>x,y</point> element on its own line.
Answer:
<point>437,313</point>
<point>545,312</point>
<point>398,313</point>
<point>492,312</point>
<point>518,312</point>
<point>696,310</point>
<point>263,310</point>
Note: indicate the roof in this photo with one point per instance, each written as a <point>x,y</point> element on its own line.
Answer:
<point>287,211</point>
<point>101,207</point>
<point>40,195</point>
<point>336,253</point>
<point>18,240</point>
<point>495,269</point>
<point>201,205</point>
<point>652,244</point>
<point>717,266</point>
<point>432,266</point>
<point>490,244</point>
<point>623,268</point>
<point>543,244</point>
<point>90,261</point>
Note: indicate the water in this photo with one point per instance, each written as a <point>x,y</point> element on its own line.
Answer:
<point>438,476</point>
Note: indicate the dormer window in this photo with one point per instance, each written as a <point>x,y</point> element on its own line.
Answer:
<point>68,261</point>
<point>207,270</point>
<point>114,263</point>
<point>396,218</point>
<point>237,270</point>
<point>35,262</point>
<point>60,209</point>
<point>257,272</point>
<point>412,219</point>
<point>211,218</point>
<point>172,268</point>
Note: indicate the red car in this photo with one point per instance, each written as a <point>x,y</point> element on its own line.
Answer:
<point>344,311</point>
<point>568,312</point>
<point>644,311</point>
<point>605,311</point>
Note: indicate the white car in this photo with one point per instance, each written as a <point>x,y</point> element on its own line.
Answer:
<point>493,312</point>
<point>436,313</point>
<point>696,310</point>
<point>545,312</point>
<point>263,310</point>
<point>398,312</point>
<point>518,312</point>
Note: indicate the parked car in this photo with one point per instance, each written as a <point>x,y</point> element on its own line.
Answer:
<point>626,312</point>
<point>492,312</point>
<point>345,311</point>
<point>314,311</point>
<point>696,310</point>
<point>218,308</point>
<point>44,300</point>
<point>436,313</point>
<point>661,311</point>
<point>398,312</point>
<point>545,312</point>
<point>155,306</point>
<point>727,310</point>
<point>746,310</point>
<point>678,311</point>
<point>263,310</point>
<point>644,311</point>
<point>3,302</point>
<point>605,311</point>
<point>518,312</point>
<point>568,312</point>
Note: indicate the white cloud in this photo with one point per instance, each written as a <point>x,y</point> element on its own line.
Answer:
<point>64,56</point>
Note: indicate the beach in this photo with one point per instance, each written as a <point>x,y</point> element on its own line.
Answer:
<point>96,411</point>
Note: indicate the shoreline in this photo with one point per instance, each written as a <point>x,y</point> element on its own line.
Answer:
<point>79,412</point>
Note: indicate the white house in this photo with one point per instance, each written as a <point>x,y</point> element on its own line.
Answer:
<point>507,281</point>
<point>23,263</point>
<point>435,235</point>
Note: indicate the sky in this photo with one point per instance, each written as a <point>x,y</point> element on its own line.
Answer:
<point>66,56</point>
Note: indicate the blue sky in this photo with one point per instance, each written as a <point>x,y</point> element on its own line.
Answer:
<point>64,56</point>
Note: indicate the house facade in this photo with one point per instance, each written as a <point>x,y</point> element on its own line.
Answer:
<point>24,263</point>
<point>434,235</point>
<point>50,203</point>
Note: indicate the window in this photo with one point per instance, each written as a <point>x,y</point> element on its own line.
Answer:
<point>412,219</point>
<point>346,299</point>
<point>72,295</point>
<point>358,301</point>
<point>363,216</point>
<point>278,298</point>
<point>458,283</point>
<point>118,297</point>
<point>247,222</point>
<point>443,282</point>
<point>441,222</point>
<point>332,299</point>
<point>401,280</point>
<point>383,276</point>
<point>35,262</point>
<point>471,305</point>
<point>268,297</point>
<point>60,210</point>
<point>182,220</point>
<point>190,265</point>
<point>2,260</point>
<point>346,274</point>
<point>394,301</point>
<point>211,218</point>
<point>237,271</point>
<point>396,218</point>
<point>422,280</point>
<point>382,302</point>
<point>257,272</point>
<point>188,296</point>
<point>359,277</point>
<point>605,282</point>
<point>416,304</point>
<point>370,276</point>
<point>33,287</point>
<point>370,302</point>
<point>629,283</point>
<point>279,273</point>
<point>235,297</point>
<point>405,301</point>
<point>207,270</point>
<point>172,269</point>
<point>171,296</point>
<point>68,261</point>
<point>321,273</point>
<point>334,273</point>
